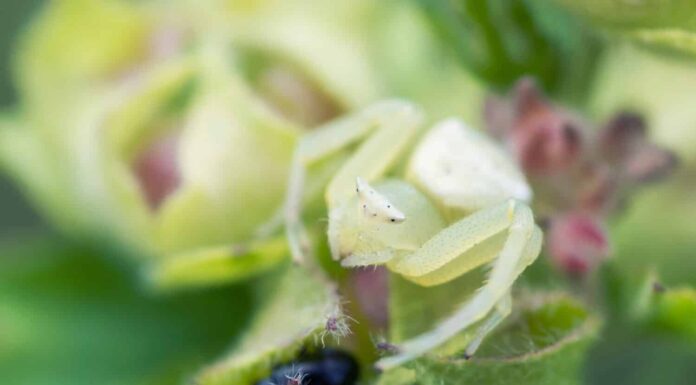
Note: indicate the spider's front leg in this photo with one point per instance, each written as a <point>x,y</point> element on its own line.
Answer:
<point>387,129</point>
<point>499,313</point>
<point>457,245</point>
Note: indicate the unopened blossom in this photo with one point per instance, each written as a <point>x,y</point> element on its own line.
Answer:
<point>167,128</point>
<point>581,174</point>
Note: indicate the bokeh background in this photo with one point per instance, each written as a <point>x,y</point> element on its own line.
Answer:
<point>77,314</point>
<point>17,215</point>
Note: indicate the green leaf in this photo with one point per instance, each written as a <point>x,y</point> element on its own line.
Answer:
<point>217,265</point>
<point>75,41</point>
<point>503,40</point>
<point>398,376</point>
<point>657,343</point>
<point>24,158</point>
<point>656,23</point>
<point>70,316</point>
<point>635,14</point>
<point>415,309</point>
<point>675,312</point>
<point>293,316</point>
<point>543,342</point>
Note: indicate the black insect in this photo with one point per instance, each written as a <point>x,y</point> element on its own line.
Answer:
<point>327,367</point>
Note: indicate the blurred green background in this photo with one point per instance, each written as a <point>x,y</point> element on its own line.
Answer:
<point>75,314</point>
<point>16,216</point>
<point>58,327</point>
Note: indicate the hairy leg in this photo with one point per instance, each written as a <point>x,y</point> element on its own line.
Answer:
<point>459,248</point>
<point>500,312</point>
<point>504,307</point>
<point>389,127</point>
<point>504,272</point>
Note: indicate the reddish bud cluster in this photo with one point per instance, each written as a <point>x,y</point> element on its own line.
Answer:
<point>580,175</point>
<point>577,242</point>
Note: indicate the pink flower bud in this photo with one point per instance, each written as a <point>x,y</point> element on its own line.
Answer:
<point>623,132</point>
<point>546,143</point>
<point>577,243</point>
<point>597,189</point>
<point>545,139</point>
<point>624,143</point>
<point>580,176</point>
<point>649,163</point>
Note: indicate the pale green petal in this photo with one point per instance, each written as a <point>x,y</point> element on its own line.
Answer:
<point>76,41</point>
<point>24,157</point>
<point>234,157</point>
<point>326,39</point>
<point>222,264</point>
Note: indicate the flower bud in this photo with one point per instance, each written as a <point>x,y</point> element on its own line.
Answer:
<point>163,128</point>
<point>545,139</point>
<point>577,243</point>
<point>580,176</point>
<point>624,141</point>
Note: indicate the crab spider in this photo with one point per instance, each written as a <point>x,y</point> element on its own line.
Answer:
<point>460,203</point>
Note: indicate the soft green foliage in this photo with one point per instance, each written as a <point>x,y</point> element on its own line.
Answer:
<point>94,95</point>
<point>500,41</point>
<point>544,343</point>
<point>217,265</point>
<point>98,38</point>
<point>415,309</point>
<point>659,87</point>
<point>650,337</point>
<point>668,25</point>
<point>656,232</point>
<point>293,315</point>
<point>675,312</point>
<point>97,95</point>
<point>93,106</point>
<point>69,316</point>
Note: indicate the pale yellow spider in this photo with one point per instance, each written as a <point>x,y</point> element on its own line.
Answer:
<point>461,203</point>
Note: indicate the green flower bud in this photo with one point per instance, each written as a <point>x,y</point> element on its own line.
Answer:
<point>170,128</point>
